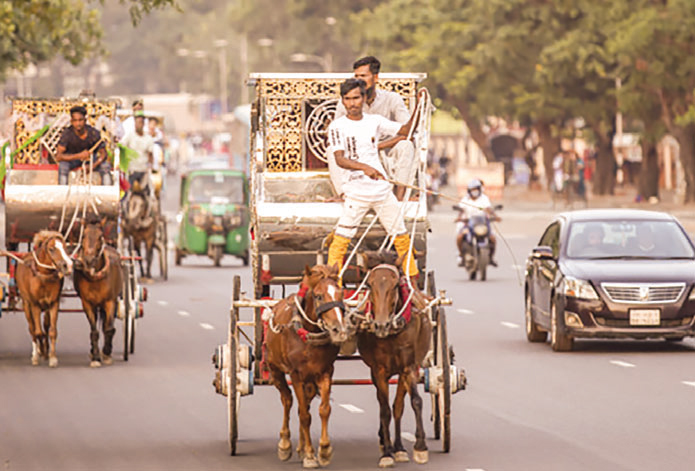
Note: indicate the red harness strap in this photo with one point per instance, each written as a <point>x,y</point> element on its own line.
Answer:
<point>405,293</point>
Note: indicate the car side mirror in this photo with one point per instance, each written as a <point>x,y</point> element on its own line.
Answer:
<point>543,252</point>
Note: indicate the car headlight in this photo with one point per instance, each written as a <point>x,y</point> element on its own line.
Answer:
<point>582,289</point>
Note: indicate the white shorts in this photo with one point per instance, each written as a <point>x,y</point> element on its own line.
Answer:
<point>387,210</point>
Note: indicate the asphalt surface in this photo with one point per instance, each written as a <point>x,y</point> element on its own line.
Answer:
<point>623,405</point>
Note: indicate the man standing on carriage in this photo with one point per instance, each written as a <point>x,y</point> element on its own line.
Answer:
<point>353,141</point>
<point>81,142</point>
<point>398,153</point>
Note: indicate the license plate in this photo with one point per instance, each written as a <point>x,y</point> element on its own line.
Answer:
<point>645,317</point>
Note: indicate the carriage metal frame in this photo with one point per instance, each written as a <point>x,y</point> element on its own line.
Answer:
<point>292,215</point>
<point>35,201</point>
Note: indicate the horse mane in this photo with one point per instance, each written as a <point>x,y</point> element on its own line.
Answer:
<point>372,258</point>
<point>317,273</point>
<point>42,236</point>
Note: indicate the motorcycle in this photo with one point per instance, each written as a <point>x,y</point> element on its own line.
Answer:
<point>474,235</point>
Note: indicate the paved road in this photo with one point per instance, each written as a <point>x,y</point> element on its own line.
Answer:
<point>608,406</point>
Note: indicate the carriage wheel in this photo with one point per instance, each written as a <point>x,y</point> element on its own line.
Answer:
<point>432,290</point>
<point>133,294</point>
<point>127,314</point>
<point>444,393</point>
<point>163,251</point>
<point>232,396</point>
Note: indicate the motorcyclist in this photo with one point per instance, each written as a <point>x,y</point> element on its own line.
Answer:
<point>473,203</point>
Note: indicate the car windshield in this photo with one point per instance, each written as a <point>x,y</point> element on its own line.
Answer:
<point>637,239</point>
<point>216,187</point>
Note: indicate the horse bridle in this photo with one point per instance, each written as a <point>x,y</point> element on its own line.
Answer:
<point>396,321</point>
<point>36,258</point>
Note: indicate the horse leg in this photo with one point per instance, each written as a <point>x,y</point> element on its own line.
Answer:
<point>149,252</point>
<point>280,382</point>
<point>44,335</point>
<point>109,312</point>
<point>136,247</point>
<point>381,382</point>
<point>33,315</point>
<point>53,335</point>
<point>325,448</point>
<point>400,454</point>
<point>309,460</point>
<point>92,314</point>
<point>420,453</point>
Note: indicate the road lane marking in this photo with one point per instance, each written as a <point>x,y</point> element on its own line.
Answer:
<point>408,436</point>
<point>163,303</point>
<point>518,267</point>
<point>475,469</point>
<point>689,383</point>
<point>465,311</point>
<point>184,313</point>
<point>207,326</point>
<point>624,364</point>
<point>351,408</point>
<point>510,325</point>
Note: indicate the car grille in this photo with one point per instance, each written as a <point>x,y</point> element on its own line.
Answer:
<point>625,323</point>
<point>643,293</point>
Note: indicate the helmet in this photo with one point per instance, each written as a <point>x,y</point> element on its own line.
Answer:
<point>475,188</point>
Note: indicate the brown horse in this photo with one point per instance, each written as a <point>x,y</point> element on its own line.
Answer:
<point>40,279</point>
<point>140,225</point>
<point>303,341</point>
<point>98,281</point>
<point>394,340</point>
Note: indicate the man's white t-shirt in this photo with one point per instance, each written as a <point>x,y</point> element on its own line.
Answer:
<point>142,143</point>
<point>358,139</point>
<point>475,206</point>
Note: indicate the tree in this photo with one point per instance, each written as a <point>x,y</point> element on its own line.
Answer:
<point>655,47</point>
<point>37,30</point>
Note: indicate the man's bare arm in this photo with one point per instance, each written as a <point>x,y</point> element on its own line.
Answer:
<point>61,156</point>
<point>348,164</point>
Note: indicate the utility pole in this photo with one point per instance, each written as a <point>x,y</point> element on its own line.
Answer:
<point>244,64</point>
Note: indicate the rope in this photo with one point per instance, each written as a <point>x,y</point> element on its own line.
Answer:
<point>359,242</point>
<point>303,314</point>
<point>42,265</point>
<point>11,255</point>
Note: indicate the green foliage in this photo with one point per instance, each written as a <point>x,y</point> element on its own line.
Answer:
<point>35,31</point>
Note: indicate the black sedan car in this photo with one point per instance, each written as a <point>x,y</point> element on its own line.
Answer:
<point>610,273</point>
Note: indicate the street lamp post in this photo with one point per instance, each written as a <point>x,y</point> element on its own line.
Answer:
<point>221,44</point>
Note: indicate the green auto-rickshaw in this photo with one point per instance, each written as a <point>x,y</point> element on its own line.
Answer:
<point>214,215</point>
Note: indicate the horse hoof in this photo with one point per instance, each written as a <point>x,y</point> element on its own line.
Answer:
<point>34,362</point>
<point>107,360</point>
<point>284,454</point>
<point>53,362</point>
<point>421,457</point>
<point>401,457</point>
<point>325,455</point>
<point>95,364</point>
<point>386,462</point>
<point>310,463</point>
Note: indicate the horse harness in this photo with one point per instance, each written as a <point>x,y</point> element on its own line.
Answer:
<point>399,319</point>
<point>298,318</point>
<point>54,272</point>
<point>101,274</point>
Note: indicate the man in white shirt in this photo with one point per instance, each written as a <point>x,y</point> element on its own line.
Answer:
<point>475,202</point>
<point>398,153</point>
<point>142,143</point>
<point>128,125</point>
<point>353,141</point>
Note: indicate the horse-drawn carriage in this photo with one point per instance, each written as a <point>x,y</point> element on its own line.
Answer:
<point>43,216</point>
<point>294,209</point>
<point>155,237</point>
